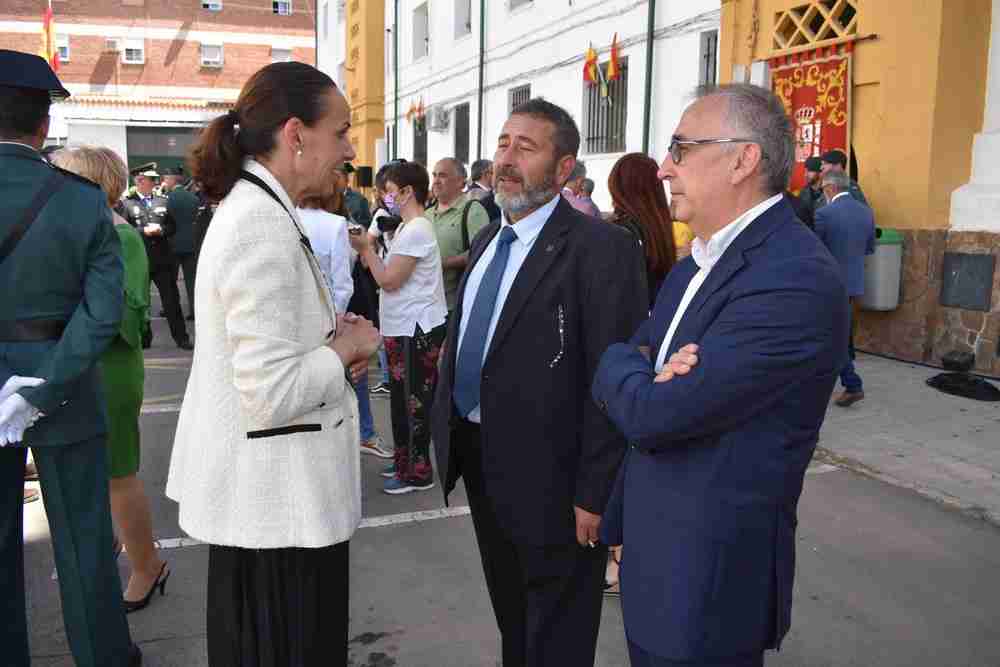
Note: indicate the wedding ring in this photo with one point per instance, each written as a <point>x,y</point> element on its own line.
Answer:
<point>591,544</point>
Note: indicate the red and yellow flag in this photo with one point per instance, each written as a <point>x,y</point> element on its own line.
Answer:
<point>590,74</point>
<point>614,69</point>
<point>48,50</point>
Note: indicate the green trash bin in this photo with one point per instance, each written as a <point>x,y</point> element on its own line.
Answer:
<point>883,271</point>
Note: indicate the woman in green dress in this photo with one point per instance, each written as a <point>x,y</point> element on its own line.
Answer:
<point>123,372</point>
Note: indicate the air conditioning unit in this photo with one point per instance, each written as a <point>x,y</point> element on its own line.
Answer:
<point>438,118</point>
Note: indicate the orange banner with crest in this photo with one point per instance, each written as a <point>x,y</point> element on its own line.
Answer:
<point>815,88</point>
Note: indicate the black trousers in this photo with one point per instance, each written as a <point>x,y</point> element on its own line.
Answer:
<point>640,658</point>
<point>278,607</point>
<point>188,263</point>
<point>164,276</point>
<point>74,483</point>
<point>547,599</point>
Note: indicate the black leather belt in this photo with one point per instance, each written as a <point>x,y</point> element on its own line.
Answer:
<point>30,331</point>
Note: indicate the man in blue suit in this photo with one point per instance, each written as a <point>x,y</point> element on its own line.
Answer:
<point>847,227</point>
<point>721,395</point>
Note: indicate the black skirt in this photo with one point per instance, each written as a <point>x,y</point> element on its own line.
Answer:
<point>277,607</point>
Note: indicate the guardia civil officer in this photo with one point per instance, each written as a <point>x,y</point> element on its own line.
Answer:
<point>61,269</point>
<point>149,213</point>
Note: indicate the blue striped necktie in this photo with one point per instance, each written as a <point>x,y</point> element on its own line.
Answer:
<point>469,368</point>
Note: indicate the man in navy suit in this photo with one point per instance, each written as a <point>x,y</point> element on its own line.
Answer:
<point>847,227</point>
<point>547,290</point>
<point>721,395</point>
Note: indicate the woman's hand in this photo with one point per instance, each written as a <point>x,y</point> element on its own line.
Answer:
<point>356,339</point>
<point>360,241</point>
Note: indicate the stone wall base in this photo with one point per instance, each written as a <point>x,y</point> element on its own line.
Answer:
<point>923,330</point>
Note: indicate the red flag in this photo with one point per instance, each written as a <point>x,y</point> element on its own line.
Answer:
<point>590,66</point>
<point>49,51</point>
<point>614,68</point>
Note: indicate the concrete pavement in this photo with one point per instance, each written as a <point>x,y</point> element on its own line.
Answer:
<point>886,576</point>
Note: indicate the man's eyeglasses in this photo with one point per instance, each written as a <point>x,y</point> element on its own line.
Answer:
<point>677,145</point>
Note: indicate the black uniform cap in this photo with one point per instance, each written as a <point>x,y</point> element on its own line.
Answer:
<point>26,70</point>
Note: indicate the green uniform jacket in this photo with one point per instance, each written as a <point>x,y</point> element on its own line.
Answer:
<point>67,267</point>
<point>183,206</point>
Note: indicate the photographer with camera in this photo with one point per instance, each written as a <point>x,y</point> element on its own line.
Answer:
<point>412,317</point>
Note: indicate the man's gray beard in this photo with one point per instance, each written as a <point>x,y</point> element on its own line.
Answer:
<point>529,199</point>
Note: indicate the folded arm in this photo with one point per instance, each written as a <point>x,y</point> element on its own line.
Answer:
<point>761,344</point>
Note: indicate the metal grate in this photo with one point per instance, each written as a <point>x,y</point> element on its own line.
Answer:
<point>518,96</point>
<point>605,118</point>
<point>814,22</point>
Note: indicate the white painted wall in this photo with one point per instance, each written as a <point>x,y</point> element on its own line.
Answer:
<point>543,44</point>
<point>99,134</point>
<point>976,205</point>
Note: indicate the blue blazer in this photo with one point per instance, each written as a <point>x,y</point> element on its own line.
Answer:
<point>847,227</point>
<point>705,502</point>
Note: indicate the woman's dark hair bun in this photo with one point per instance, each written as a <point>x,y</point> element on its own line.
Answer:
<point>270,97</point>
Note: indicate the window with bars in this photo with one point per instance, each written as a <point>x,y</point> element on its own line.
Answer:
<point>517,96</point>
<point>462,133</point>
<point>605,116</point>
<point>708,62</point>
<point>281,7</point>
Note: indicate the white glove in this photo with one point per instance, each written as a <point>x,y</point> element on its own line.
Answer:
<point>15,384</point>
<point>16,416</point>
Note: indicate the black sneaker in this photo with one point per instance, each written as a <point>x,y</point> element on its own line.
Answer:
<point>186,345</point>
<point>381,389</point>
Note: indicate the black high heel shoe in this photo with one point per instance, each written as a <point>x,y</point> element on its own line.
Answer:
<point>161,583</point>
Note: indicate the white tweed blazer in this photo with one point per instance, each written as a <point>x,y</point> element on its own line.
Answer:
<point>266,453</point>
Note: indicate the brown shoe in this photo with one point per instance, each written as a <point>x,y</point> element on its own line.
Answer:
<point>30,472</point>
<point>30,496</point>
<point>849,398</point>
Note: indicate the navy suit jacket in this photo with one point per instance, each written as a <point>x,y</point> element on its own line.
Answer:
<point>705,503</point>
<point>847,227</point>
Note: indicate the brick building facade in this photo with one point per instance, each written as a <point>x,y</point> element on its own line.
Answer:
<point>145,75</point>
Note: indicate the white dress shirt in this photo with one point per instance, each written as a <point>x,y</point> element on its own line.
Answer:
<point>705,256</point>
<point>327,235</point>
<point>527,230</point>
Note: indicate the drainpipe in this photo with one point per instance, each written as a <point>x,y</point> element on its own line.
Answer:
<point>482,69</point>
<point>648,111</point>
<point>395,68</point>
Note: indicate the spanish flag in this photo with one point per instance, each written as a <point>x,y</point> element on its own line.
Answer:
<point>590,74</point>
<point>48,49</point>
<point>614,69</point>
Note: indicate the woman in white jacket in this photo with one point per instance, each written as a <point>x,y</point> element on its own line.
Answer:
<point>265,463</point>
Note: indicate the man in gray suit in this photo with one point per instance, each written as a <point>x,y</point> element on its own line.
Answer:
<point>847,227</point>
